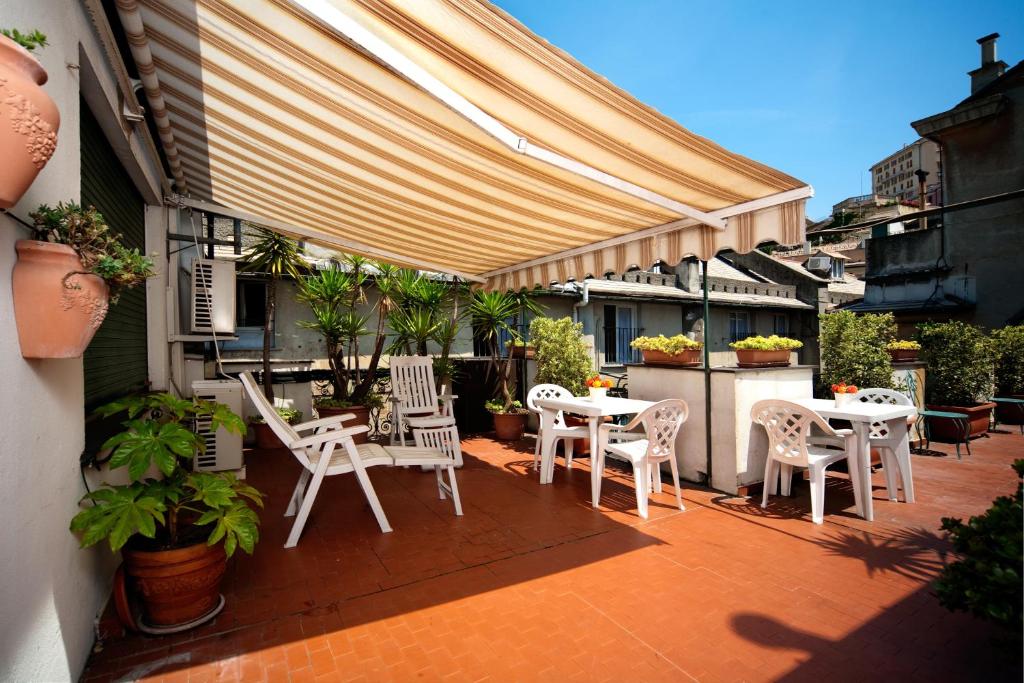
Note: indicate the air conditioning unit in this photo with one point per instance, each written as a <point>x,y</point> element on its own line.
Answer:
<point>223,448</point>
<point>213,296</point>
<point>823,263</point>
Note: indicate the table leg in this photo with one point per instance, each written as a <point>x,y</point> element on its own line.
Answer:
<point>596,449</point>
<point>866,504</point>
<point>547,447</point>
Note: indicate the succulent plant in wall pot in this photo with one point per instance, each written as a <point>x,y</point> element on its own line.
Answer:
<point>28,134</point>
<point>66,278</point>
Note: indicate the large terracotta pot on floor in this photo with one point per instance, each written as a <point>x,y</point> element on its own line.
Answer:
<point>177,586</point>
<point>362,417</point>
<point>56,317</point>
<point>509,426</point>
<point>29,118</point>
<point>264,437</point>
<point>945,429</point>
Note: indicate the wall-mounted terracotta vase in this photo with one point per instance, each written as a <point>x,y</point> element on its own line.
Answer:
<point>28,121</point>
<point>57,314</point>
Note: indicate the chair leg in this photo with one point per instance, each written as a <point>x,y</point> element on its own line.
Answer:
<point>905,471</point>
<point>455,491</point>
<point>304,509</point>
<point>371,498</point>
<point>641,478</point>
<point>769,479</point>
<point>785,479</point>
<point>675,480</point>
<point>440,482</point>
<point>967,435</point>
<point>536,450</point>
<point>817,494</point>
<point>296,499</point>
<point>655,476</point>
<point>890,468</point>
<point>568,444</point>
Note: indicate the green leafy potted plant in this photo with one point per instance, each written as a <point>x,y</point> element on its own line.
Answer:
<point>1008,344</point>
<point>676,350</point>
<point>491,313</point>
<point>853,349</point>
<point>763,352</point>
<point>66,278</point>
<point>562,355</point>
<point>960,364</point>
<point>175,530</point>
<point>28,137</point>
<point>903,350</point>
<point>265,437</point>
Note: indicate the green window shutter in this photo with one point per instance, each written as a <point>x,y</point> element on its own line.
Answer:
<point>116,360</point>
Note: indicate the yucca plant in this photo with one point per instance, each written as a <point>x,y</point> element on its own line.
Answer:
<point>491,313</point>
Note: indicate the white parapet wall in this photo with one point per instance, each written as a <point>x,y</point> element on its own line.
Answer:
<point>738,447</point>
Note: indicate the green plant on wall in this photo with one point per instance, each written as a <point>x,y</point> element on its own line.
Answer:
<point>853,349</point>
<point>561,354</point>
<point>986,581</point>
<point>30,40</point>
<point>960,363</point>
<point>1008,346</point>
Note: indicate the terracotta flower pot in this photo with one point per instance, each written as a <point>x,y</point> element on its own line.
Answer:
<point>758,358</point>
<point>945,429</point>
<point>524,352</point>
<point>509,426</point>
<point>686,358</point>
<point>56,318</point>
<point>903,355</point>
<point>265,437</point>
<point>177,586</point>
<point>362,417</point>
<point>29,118</point>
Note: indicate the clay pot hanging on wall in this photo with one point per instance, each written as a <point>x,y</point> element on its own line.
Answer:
<point>57,307</point>
<point>28,121</point>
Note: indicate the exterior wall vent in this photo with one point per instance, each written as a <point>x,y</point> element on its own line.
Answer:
<point>213,296</point>
<point>223,449</point>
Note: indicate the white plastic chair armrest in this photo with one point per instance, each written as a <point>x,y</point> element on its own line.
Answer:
<point>845,433</point>
<point>325,437</point>
<point>323,422</point>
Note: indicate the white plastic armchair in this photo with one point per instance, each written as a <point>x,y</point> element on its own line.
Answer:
<point>790,445</point>
<point>558,426</point>
<point>414,395</point>
<point>894,448</point>
<point>661,423</point>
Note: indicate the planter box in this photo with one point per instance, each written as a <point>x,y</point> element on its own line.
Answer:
<point>943,429</point>
<point>903,355</point>
<point>687,359</point>
<point>756,358</point>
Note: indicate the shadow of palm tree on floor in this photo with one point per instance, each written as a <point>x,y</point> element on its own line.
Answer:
<point>912,553</point>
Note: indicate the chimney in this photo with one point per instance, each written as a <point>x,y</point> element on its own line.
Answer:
<point>991,68</point>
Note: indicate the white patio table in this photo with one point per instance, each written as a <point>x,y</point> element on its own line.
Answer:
<point>594,411</point>
<point>861,415</point>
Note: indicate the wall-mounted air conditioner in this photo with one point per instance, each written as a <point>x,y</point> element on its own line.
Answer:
<point>223,448</point>
<point>213,296</point>
<point>819,263</point>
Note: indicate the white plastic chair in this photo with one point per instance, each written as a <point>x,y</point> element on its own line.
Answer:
<point>414,395</point>
<point>661,423</point>
<point>559,428</point>
<point>895,451</point>
<point>444,439</point>
<point>790,444</point>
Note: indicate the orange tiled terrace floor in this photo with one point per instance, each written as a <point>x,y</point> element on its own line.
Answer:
<point>533,584</point>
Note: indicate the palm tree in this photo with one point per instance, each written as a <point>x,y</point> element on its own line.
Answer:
<point>277,256</point>
<point>491,313</point>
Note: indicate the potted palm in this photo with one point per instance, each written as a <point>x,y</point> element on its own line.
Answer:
<point>960,363</point>
<point>764,352</point>
<point>66,277</point>
<point>903,350</point>
<point>1009,349</point>
<point>676,350</point>
<point>28,137</point>
<point>177,529</point>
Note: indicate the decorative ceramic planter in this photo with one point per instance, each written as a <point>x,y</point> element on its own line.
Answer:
<point>509,426</point>
<point>598,393</point>
<point>688,358</point>
<point>177,586</point>
<point>362,417</point>
<point>758,358</point>
<point>945,429</point>
<point>843,399</point>
<point>904,355</point>
<point>28,121</point>
<point>57,313</point>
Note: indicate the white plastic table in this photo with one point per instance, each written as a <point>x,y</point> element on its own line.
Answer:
<point>594,411</point>
<point>861,414</point>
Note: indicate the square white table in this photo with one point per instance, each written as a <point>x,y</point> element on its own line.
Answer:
<point>594,411</point>
<point>861,414</point>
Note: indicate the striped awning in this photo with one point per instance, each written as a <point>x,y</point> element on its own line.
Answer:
<point>439,134</point>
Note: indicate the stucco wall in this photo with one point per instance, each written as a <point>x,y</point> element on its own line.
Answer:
<point>51,591</point>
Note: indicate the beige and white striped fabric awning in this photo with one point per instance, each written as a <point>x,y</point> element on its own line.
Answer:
<point>438,134</point>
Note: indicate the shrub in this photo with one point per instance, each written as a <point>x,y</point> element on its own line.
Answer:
<point>561,354</point>
<point>960,363</point>
<point>853,349</point>
<point>772,343</point>
<point>986,581</point>
<point>1009,360</point>
<point>670,345</point>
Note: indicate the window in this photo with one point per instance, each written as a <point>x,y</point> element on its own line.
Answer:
<point>739,326</point>
<point>250,312</point>
<point>780,324</point>
<point>619,331</point>
<point>838,269</point>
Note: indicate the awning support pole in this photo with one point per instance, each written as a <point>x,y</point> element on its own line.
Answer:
<point>707,371</point>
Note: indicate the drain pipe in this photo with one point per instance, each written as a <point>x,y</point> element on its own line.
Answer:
<point>583,302</point>
<point>707,372</point>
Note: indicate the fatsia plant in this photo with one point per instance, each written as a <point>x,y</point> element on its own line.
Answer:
<point>181,507</point>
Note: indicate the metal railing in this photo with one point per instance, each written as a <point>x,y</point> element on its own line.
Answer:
<point>617,349</point>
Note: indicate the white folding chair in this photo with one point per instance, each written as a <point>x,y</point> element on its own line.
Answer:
<point>790,444</point>
<point>436,447</point>
<point>330,450</point>
<point>414,396</point>
<point>661,423</point>
<point>558,427</point>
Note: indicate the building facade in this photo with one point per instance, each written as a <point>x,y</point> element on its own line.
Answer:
<point>895,175</point>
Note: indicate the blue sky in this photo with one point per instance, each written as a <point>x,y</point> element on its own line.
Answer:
<point>819,90</point>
